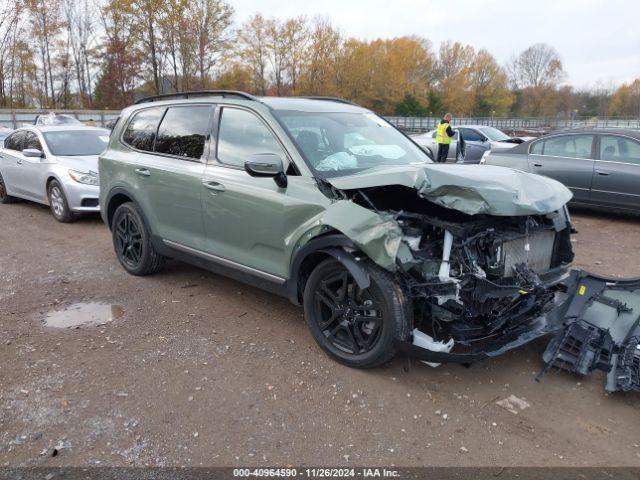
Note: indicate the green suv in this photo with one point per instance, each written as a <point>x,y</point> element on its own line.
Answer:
<point>327,203</point>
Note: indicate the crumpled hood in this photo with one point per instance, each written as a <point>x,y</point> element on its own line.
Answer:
<point>471,189</point>
<point>82,163</point>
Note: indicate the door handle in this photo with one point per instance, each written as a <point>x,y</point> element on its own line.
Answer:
<point>603,173</point>
<point>214,186</point>
<point>143,172</point>
<point>19,161</point>
<point>537,164</point>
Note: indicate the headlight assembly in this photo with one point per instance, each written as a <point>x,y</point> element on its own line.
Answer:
<point>84,177</point>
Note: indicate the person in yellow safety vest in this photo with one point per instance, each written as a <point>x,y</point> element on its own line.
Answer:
<point>444,133</point>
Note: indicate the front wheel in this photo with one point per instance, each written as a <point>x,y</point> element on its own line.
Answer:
<point>357,327</point>
<point>132,242</point>
<point>58,203</point>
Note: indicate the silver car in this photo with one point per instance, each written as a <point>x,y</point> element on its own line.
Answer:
<point>600,166</point>
<point>480,140</point>
<point>53,165</point>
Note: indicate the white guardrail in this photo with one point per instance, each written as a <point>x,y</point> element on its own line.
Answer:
<point>18,117</point>
<point>535,125</point>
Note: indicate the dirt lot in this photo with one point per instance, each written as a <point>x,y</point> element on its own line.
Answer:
<point>201,370</point>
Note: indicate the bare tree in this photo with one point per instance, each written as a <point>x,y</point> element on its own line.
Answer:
<point>537,66</point>
<point>252,47</point>
<point>46,22</point>
<point>212,21</point>
<point>81,32</point>
<point>147,13</point>
<point>295,44</point>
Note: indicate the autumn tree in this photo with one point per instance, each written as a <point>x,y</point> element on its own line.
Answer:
<point>121,55</point>
<point>453,69</point>
<point>489,86</point>
<point>320,73</point>
<point>626,100</point>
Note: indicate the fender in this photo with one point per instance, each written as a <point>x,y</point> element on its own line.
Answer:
<point>333,245</point>
<point>112,193</point>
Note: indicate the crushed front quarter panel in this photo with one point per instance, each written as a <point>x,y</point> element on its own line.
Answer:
<point>378,235</point>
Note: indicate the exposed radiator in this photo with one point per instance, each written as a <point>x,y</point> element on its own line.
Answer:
<point>535,251</point>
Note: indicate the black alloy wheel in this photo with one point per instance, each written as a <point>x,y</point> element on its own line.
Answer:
<point>356,326</point>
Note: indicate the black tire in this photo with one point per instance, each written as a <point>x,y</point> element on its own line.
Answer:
<point>356,327</point>
<point>132,242</point>
<point>4,197</point>
<point>58,203</point>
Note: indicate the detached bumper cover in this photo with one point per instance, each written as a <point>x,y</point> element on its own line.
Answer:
<point>595,326</point>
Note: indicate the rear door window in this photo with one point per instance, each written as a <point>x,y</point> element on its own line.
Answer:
<point>619,149</point>
<point>571,146</point>
<point>184,131</point>
<point>243,134</point>
<point>141,131</point>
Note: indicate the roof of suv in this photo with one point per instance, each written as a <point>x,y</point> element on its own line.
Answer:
<point>302,104</point>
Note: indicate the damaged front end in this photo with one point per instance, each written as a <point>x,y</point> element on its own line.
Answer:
<point>485,263</point>
<point>479,284</point>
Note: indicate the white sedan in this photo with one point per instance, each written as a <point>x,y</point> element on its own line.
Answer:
<point>53,165</point>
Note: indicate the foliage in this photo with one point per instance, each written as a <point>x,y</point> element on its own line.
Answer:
<point>107,53</point>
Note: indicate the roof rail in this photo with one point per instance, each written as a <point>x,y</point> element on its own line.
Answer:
<point>332,99</point>
<point>199,93</point>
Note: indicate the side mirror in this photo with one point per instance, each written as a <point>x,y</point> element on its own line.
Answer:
<point>32,152</point>
<point>267,165</point>
<point>484,139</point>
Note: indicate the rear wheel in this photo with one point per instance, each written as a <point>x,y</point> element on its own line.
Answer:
<point>58,203</point>
<point>356,327</point>
<point>132,242</point>
<point>4,196</point>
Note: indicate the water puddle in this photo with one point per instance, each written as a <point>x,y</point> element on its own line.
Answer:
<point>91,314</point>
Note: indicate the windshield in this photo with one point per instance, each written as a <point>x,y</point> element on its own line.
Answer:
<point>343,143</point>
<point>77,142</point>
<point>494,134</point>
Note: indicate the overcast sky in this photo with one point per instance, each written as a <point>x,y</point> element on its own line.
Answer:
<point>598,40</point>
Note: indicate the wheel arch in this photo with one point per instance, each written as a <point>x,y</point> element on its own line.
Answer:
<point>334,244</point>
<point>116,197</point>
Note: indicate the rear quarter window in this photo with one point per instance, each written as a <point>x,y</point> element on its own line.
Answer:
<point>141,130</point>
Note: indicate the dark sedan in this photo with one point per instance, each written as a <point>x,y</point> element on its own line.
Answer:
<point>600,166</point>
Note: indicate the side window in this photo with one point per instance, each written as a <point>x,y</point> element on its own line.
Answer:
<point>536,147</point>
<point>141,131</point>
<point>619,149</point>
<point>470,135</point>
<point>14,141</point>
<point>184,130</point>
<point>31,141</point>
<point>572,146</point>
<point>241,135</point>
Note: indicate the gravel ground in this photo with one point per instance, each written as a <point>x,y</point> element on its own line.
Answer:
<point>200,370</point>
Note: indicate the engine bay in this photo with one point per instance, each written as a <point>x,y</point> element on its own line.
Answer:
<point>473,278</point>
